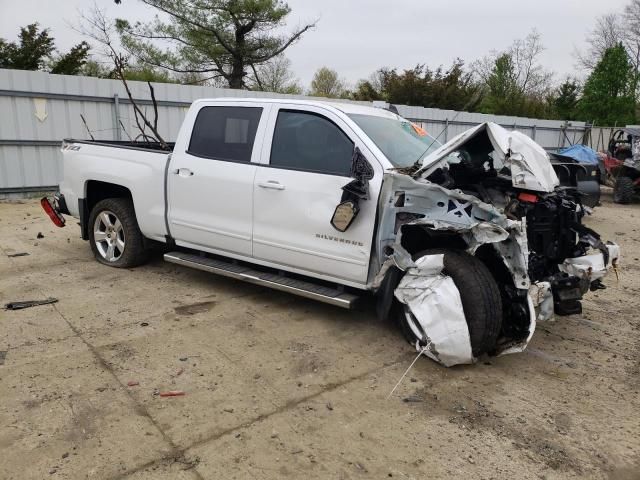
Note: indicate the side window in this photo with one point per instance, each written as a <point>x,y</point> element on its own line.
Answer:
<point>305,141</point>
<point>225,133</point>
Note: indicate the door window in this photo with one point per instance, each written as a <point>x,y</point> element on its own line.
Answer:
<point>225,133</point>
<point>310,142</point>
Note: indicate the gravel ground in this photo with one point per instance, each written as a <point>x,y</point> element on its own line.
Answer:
<point>281,387</point>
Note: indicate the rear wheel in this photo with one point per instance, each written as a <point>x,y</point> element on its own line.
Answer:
<point>623,190</point>
<point>114,235</point>
<point>480,295</point>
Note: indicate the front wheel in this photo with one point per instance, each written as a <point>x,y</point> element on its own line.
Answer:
<point>480,296</point>
<point>114,235</point>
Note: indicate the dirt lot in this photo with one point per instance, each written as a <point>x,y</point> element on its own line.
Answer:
<point>278,386</point>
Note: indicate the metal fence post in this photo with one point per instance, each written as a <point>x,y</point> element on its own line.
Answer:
<point>446,130</point>
<point>533,132</point>
<point>116,117</point>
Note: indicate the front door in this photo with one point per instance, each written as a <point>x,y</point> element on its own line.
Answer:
<point>210,184</point>
<point>296,194</point>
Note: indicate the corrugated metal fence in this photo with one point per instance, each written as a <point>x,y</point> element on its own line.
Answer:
<point>38,110</point>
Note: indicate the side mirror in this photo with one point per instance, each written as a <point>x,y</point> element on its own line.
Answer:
<point>344,215</point>
<point>354,191</point>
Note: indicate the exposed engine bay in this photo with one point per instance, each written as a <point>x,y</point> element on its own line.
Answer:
<point>554,220</point>
<point>496,193</point>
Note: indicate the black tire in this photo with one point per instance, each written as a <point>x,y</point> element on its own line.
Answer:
<point>480,295</point>
<point>623,190</point>
<point>126,238</point>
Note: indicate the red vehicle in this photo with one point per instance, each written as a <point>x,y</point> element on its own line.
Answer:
<point>622,164</point>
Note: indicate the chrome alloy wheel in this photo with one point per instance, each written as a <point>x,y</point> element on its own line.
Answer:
<point>108,236</point>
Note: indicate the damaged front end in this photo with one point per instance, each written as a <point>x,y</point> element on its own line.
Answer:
<point>494,195</point>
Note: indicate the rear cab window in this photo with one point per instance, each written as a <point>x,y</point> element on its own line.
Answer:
<point>310,142</point>
<point>225,133</point>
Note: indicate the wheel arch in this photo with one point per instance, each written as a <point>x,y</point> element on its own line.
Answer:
<point>95,191</point>
<point>416,238</point>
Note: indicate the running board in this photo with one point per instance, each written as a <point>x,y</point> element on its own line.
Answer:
<point>332,296</point>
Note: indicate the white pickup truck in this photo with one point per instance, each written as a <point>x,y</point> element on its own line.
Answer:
<point>466,244</point>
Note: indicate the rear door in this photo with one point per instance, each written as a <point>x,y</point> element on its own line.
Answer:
<point>210,182</point>
<point>307,161</point>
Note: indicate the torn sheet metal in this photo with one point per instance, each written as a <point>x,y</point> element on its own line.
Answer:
<point>542,299</point>
<point>592,267</point>
<point>477,222</point>
<point>29,304</point>
<point>434,303</point>
<point>530,166</point>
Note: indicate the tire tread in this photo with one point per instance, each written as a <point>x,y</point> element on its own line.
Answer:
<point>135,252</point>
<point>480,295</point>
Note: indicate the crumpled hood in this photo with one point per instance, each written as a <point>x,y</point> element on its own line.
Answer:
<point>529,163</point>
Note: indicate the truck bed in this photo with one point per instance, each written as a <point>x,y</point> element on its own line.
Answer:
<point>148,146</point>
<point>139,167</point>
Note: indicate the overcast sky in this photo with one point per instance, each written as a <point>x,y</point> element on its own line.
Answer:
<point>356,37</point>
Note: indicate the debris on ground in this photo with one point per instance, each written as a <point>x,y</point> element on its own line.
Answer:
<point>179,372</point>
<point>3,355</point>
<point>133,383</point>
<point>29,303</point>
<point>40,235</point>
<point>19,254</point>
<point>172,393</point>
<point>413,399</point>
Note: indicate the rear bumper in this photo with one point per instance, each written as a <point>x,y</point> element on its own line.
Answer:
<point>61,204</point>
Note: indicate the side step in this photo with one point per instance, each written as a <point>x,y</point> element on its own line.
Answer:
<point>332,296</point>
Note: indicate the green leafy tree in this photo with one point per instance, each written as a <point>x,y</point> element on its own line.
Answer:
<point>504,97</point>
<point>453,88</point>
<point>515,80</point>
<point>217,38</point>
<point>327,83</point>
<point>146,73</point>
<point>608,97</point>
<point>96,69</point>
<point>72,63</point>
<point>566,99</point>
<point>406,88</point>
<point>35,51</point>
<point>32,51</point>
<point>366,91</point>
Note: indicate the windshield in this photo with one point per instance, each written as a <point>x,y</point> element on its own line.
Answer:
<point>403,142</point>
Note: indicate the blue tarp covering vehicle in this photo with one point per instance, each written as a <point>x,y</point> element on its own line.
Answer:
<point>579,167</point>
<point>580,153</point>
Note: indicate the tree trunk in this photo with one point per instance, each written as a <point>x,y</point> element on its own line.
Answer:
<point>236,78</point>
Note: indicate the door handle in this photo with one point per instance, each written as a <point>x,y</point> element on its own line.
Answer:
<point>183,172</point>
<point>271,184</point>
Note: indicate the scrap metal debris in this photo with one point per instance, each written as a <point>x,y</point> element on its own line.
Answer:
<point>20,254</point>
<point>172,393</point>
<point>29,303</point>
<point>3,355</point>
<point>431,297</point>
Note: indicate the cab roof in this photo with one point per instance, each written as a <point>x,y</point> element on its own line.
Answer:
<point>348,108</point>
